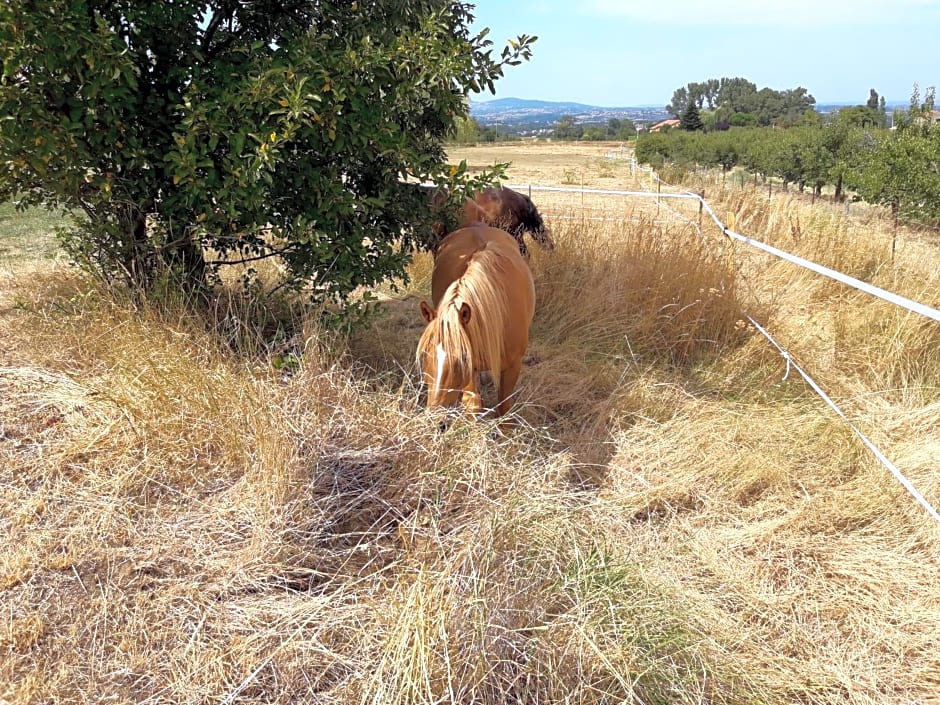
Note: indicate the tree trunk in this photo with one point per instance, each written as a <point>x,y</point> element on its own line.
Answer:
<point>185,261</point>
<point>138,254</point>
<point>145,263</point>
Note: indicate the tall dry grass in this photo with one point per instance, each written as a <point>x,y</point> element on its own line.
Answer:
<point>231,505</point>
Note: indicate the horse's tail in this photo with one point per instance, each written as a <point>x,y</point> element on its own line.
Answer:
<point>532,222</point>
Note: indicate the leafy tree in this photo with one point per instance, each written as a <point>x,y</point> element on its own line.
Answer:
<point>567,128</point>
<point>679,102</point>
<point>620,129</point>
<point>900,168</point>
<point>816,157</point>
<point>872,99</point>
<point>920,115</point>
<point>710,91</point>
<point>797,102</point>
<point>742,120</point>
<point>755,151</point>
<point>737,94</point>
<point>724,150</point>
<point>809,119</point>
<point>190,134</point>
<point>709,120</point>
<point>728,96</point>
<point>858,116</point>
<point>780,107</point>
<point>466,130</point>
<point>884,170</point>
<point>627,129</point>
<point>786,159</point>
<point>654,148</point>
<point>691,119</point>
<point>701,94</point>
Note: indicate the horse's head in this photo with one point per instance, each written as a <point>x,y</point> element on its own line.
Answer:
<point>445,357</point>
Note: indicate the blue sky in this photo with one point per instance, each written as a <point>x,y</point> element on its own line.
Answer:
<point>637,52</point>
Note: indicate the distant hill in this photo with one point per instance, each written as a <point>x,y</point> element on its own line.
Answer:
<point>505,105</point>
<point>517,114</point>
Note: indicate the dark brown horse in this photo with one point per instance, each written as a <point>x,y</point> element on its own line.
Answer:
<point>502,208</point>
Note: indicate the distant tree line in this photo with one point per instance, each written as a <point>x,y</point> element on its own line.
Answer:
<point>568,128</point>
<point>898,168</point>
<point>738,102</point>
<point>467,130</point>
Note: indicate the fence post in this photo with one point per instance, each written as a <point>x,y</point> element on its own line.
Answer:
<point>701,204</point>
<point>582,199</point>
<point>896,209</point>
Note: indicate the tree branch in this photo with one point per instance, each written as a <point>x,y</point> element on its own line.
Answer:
<point>246,260</point>
<point>218,17</point>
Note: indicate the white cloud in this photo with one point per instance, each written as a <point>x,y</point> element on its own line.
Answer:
<point>790,14</point>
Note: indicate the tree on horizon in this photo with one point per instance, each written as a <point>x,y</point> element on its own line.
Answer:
<point>691,119</point>
<point>567,128</point>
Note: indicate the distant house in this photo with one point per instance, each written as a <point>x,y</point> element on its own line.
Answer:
<point>664,124</point>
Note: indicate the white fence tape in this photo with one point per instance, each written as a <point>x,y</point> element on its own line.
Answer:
<point>896,299</point>
<point>899,476</point>
<point>883,294</point>
<point>889,296</point>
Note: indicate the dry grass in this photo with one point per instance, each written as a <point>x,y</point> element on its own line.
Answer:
<point>231,506</point>
<point>28,236</point>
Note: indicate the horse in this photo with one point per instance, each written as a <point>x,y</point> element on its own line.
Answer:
<point>502,208</point>
<point>483,300</point>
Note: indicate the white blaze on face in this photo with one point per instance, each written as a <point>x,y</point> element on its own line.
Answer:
<point>441,356</point>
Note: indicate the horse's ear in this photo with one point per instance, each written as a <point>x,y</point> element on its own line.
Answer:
<point>427,313</point>
<point>464,313</point>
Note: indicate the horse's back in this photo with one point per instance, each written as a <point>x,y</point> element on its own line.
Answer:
<point>457,252</point>
<point>493,206</point>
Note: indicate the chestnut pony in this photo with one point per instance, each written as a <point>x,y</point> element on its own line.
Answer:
<point>483,302</point>
<point>501,208</point>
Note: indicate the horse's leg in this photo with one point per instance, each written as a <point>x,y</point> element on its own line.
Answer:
<point>507,384</point>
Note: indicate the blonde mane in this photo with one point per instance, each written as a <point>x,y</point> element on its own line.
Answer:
<point>479,344</point>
